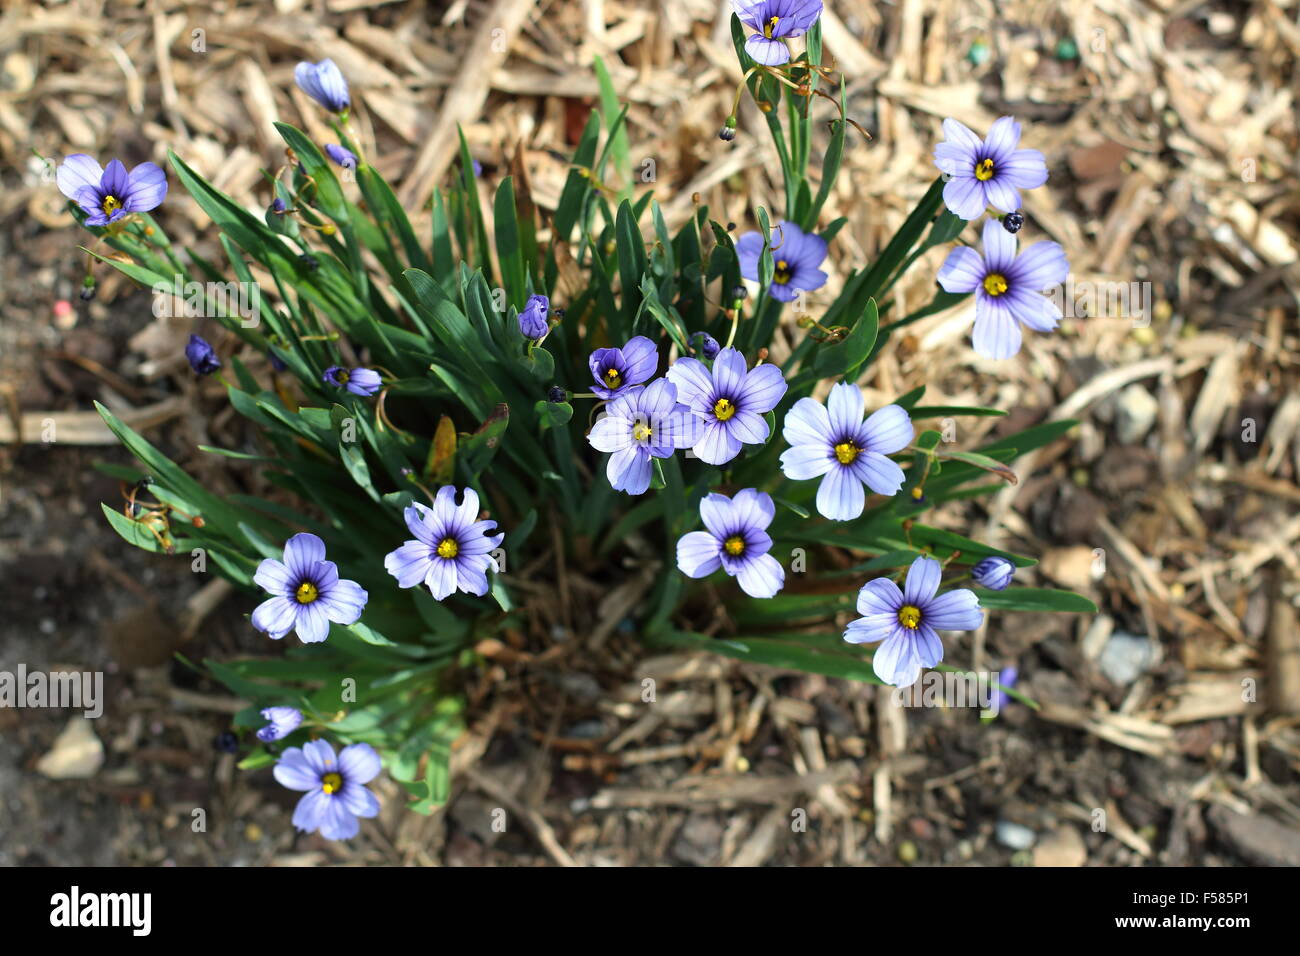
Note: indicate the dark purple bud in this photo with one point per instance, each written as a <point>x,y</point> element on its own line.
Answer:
<point>227,743</point>
<point>1012,222</point>
<point>706,344</point>
<point>557,394</point>
<point>309,262</point>
<point>202,356</point>
<point>277,363</point>
<point>278,206</point>
<point>739,292</point>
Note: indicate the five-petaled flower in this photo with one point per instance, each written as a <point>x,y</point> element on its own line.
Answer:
<point>616,370</point>
<point>775,20</point>
<point>282,721</point>
<point>796,257</point>
<point>336,795</point>
<point>642,423</point>
<point>833,440</point>
<point>532,320</point>
<point>729,401</point>
<point>106,195</point>
<point>452,549</point>
<point>736,541</point>
<point>988,172</point>
<point>907,621</point>
<point>1007,288</point>
<point>358,381</point>
<point>324,83</point>
<point>306,593</point>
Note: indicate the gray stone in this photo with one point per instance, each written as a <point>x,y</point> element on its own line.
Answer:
<point>1126,657</point>
<point>1014,836</point>
<point>1135,413</point>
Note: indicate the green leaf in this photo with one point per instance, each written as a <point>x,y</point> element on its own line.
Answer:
<point>1035,599</point>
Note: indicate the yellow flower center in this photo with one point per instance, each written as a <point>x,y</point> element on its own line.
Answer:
<point>612,378</point>
<point>331,783</point>
<point>724,409</point>
<point>984,170</point>
<point>909,615</point>
<point>770,28</point>
<point>111,205</point>
<point>995,283</point>
<point>306,593</point>
<point>641,431</point>
<point>734,546</point>
<point>341,376</point>
<point>847,452</point>
<point>448,548</point>
<point>782,274</point>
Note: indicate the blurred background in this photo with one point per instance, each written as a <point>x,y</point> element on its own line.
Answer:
<point>1169,732</point>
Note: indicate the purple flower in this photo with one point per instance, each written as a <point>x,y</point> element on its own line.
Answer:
<point>775,19</point>
<point>907,621</point>
<point>1006,288</point>
<point>306,593</point>
<point>477,167</point>
<point>1007,678</point>
<point>452,548</point>
<point>324,83</point>
<point>202,356</point>
<point>344,157</point>
<point>359,381</point>
<point>706,344</point>
<point>642,423</point>
<point>730,402</point>
<point>737,541</point>
<point>993,572</point>
<point>283,722</point>
<point>532,320</point>
<point>336,794</point>
<point>277,363</point>
<point>797,256</point>
<point>617,370</point>
<point>834,441</point>
<point>278,206</point>
<point>986,172</point>
<point>106,195</point>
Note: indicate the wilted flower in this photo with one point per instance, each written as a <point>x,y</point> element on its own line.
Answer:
<point>324,83</point>
<point>202,356</point>
<point>336,793</point>
<point>307,593</point>
<point>706,344</point>
<point>1006,288</point>
<point>532,320</point>
<point>617,370</point>
<point>907,621</point>
<point>986,172</point>
<point>730,401</point>
<point>993,572</point>
<point>774,20</point>
<point>643,422</point>
<point>452,548</point>
<point>341,155</point>
<point>834,441</point>
<point>736,541</point>
<point>358,381</point>
<point>108,194</point>
<point>796,255</point>
<point>282,722</point>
